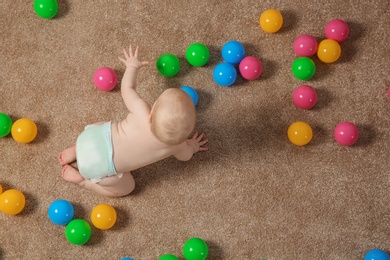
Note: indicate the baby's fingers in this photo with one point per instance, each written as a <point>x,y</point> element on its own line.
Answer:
<point>125,53</point>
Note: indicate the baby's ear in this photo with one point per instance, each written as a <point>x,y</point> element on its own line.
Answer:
<point>150,118</point>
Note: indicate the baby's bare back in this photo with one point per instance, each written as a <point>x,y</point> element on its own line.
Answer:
<point>135,146</point>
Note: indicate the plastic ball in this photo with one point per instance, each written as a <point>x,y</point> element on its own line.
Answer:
<point>197,54</point>
<point>337,30</point>
<point>127,258</point>
<point>61,212</point>
<point>329,51</point>
<point>46,9</point>
<point>346,133</point>
<point>5,124</point>
<point>168,65</point>
<point>300,133</point>
<point>1,189</point>
<point>105,79</point>
<point>303,68</point>
<point>103,216</point>
<point>305,45</point>
<point>376,254</point>
<point>195,249</point>
<point>305,97</point>
<point>168,257</point>
<point>225,74</point>
<point>250,68</point>
<point>78,232</point>
<point>12,202</point>
<point>192,93</point>
<point>233,52</point>
<point>271,20</point>
<point>24,130</point>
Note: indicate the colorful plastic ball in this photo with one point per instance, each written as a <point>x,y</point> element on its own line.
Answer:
<point>46,9</point>
<point>192,93</point>
<point>78,232</point>
<point>103,216</point>
<point>168,257</point>
<point>5,124</point>
<point>271,20</point>
<point>225,74</point>
<point>337,30</point>
<point>329,51</point>
<point>12,202</point>
<point>105,79</point>
<point>195,249</point>
<point>305,45</point>
<point>197,54</point>
<point>376,254</point>
<point>61,212</point>
<point>305,97</point>
<point>24,130</point>
<point>168,65</point>
<point>300,133</point>
<point>250,68</point>
<point>346,133</point>
<point>233,52</point>
<point>303,68</point>
<point>127,258</point>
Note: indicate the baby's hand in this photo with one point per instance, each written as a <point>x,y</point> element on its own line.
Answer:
<point>132,59</point>
<point>196,142</point>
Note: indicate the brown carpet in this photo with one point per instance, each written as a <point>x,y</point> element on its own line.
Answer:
<point>254,194</point>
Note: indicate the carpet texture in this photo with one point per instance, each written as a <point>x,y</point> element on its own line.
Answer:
<point>254,194</point>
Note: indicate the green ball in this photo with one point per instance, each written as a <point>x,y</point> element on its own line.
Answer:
<point>168,65</point>
<point>195,249</point>
<point>303,68</point>
<point>168,257</point>
<point>78,232</point>
<point>46,9</point>
<point>197,54</point>
<point>5,124</point>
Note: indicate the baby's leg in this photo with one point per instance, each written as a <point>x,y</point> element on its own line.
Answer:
<point>67,156</point>
<point>113,186</point>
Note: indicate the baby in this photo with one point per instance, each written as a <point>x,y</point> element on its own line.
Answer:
<point>106,153</point>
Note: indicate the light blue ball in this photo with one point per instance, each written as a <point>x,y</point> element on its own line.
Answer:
<point>376,254</point>
<point>192,93</point>
<point>61,212</point>
<point>233,52</point>
<point>225,74</point>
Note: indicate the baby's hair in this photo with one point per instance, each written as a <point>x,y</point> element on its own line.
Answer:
<point>173,116</point>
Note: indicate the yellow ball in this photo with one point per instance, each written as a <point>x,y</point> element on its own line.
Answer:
<point>12,202</point>
<point>329,51</point>
<point>300,133</point>
<point>271,20</point>
<point>103,216</point>
<point>24,130</point>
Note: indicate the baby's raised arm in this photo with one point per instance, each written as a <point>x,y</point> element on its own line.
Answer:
<point>128,85</point>
<point>191,146</point>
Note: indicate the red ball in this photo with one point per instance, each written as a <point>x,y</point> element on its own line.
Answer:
<point>250,68</point>
<point>105,79</point>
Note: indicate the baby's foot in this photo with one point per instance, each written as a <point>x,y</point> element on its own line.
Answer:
<point>71,174</point>
<point>67,156</point>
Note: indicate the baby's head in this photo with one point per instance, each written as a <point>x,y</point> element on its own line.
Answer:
<point>173,116</point>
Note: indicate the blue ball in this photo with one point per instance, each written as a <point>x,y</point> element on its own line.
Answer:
<point>127,258</point>
<point>192,93</point>
<point>61,212</point>
<point>233,52</point>
<point>225,74</point>
<point>376,254</point>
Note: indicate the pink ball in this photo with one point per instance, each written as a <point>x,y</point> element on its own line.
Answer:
<point>305,45</point>
<point>337,30</point>
<point>105,79</point>
<point>305,97</point>
<point>346,133</point>
<point>250,68</point>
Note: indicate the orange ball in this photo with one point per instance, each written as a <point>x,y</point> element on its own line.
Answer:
<point>12,202</point>
<point>103,216</point>
<point>271,20</point>
<point>329,51</point>
<point>300,133</point>
<point>24,130</point>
